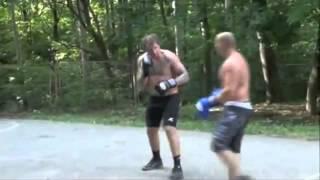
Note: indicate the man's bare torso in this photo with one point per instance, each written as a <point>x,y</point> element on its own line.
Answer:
<point>161,70</point>
<point>238,70</point>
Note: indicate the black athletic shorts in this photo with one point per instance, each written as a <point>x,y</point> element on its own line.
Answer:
<point>230,129</point>
<point>164,108</point>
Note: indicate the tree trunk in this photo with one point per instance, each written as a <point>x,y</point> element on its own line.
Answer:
<point>130,45</point>
<point>56,19</point>
<point>166,24</point>
<point>55,91</point>
<point>83,58</point>
<point>163,13</point>
<point>112,13</point>
<point>54,81</point>
<point>228,16</point>
<point>110,17</point>
<point>145,6</point>
<point>93,29</point>
<point>269,69</point>
<point>313,91</point>
<point>18,47</point>
<point>19,54</point>
<point>269,62</point>
<point>26,16</point>
<point>205,28</point>
<point>178,12</point>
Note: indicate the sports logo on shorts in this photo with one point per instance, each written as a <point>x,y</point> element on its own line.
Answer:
<point>171,119</point>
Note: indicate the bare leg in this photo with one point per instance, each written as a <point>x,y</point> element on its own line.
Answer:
<point>153,136</point>
<point>232,161</point>
<point>174,140</point>
<point>155,162</point>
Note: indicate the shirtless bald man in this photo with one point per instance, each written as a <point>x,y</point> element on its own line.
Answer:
<point>234,75</point>
<point>160,74</point>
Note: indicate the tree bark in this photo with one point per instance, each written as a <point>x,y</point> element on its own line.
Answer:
<point>313,90</point>
<point>17,42</point>
<point>163,12</point>
<point>269,62</point>
<point>94,31</point>
<point>205,28</point>
<point>178,12</point>
<point>228,15</point>
<point>54,66</point>
<point>130,47</point>
<point>269,69</point>
<point>112,13</point>
<point>56,19</point>
<point>145,6</point>
<point>18,52</point>
<point>83,58</point>
<point>26,16</point>
<point>109,6</point>
<point>167,31</point>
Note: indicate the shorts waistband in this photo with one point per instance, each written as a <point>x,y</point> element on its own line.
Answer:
<point>241,104</point>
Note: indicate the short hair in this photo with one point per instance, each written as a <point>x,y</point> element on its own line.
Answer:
<point>226,37</point>
<point>149,39</point>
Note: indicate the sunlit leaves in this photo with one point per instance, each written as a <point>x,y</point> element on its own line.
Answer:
<point>304,11</point>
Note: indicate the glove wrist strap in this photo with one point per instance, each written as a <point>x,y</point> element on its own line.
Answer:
<point>172,83</point>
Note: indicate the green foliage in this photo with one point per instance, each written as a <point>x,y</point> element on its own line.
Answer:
<point>304,11</point>
<point>290,24</point>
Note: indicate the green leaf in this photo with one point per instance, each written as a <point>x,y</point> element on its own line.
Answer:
<point>301,10</point>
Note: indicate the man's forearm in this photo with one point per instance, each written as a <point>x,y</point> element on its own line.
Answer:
<point>182,78</point>
<point>224,96</point>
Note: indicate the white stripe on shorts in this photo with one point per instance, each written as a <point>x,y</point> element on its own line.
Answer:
<point>245,105</point>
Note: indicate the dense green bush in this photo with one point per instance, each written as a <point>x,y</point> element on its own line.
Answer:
<point>290,26</point>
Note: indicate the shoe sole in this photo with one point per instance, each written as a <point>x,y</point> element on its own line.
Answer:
<point>158,168</point>
<point>175,178</point>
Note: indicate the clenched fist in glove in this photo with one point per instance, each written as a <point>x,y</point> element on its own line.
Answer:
<point>204,104</point>
<point>164,86</point>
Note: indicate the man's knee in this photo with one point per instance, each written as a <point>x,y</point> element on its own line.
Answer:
<point>171,132</point>
<point>152,131</point>
<point>170,129</point>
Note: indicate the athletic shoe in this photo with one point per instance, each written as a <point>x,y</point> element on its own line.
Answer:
<point>177,173</point>
<point>244,177</point>
<point>153,164</point>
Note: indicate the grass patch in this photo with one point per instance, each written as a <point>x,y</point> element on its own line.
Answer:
<point>276,126</point>
<point>307,131</point>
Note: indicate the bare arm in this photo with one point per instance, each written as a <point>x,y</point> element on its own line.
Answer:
<point>178,68</point>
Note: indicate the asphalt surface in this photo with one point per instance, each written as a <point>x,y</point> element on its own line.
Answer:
<point>32,149</point>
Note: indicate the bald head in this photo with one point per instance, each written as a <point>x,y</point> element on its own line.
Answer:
<point>224,43</point>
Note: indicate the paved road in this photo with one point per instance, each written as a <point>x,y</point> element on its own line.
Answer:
<point>55,150</point>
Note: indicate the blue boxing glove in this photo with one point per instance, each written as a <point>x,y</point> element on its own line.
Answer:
<point>203,107</point>
<point>204,104</point>
<point>216,92</point>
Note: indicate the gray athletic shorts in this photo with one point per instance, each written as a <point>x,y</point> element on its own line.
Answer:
<point>230,129</point>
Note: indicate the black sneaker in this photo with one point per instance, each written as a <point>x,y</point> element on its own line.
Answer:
<point>177,173</point>
<point>244,177</point>
<point>153,164</point>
